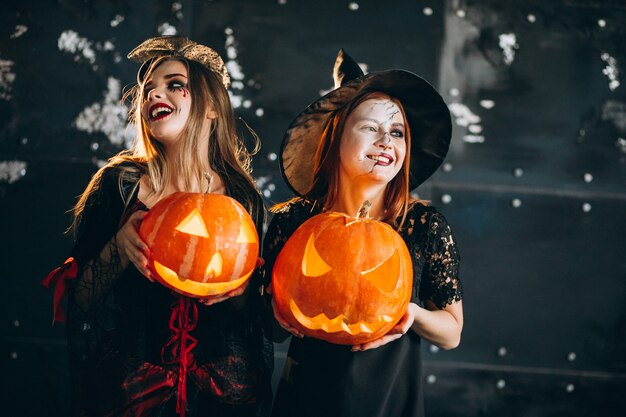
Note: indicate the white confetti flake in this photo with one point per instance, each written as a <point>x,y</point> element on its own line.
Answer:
<point>108,116</point>
<point>71,42</point>
<point>611,70</point>
<point>464,116</point>
<point>508,44</point>
<point>166,29</point>
<point>236,85</point>
<point>427,11</point>
<point>475,129</point>
<point>19,31</point>
<point>473,139</point>
<point>117,20</point>
<point>353,6</point>
<point>7,77</point>
<point>11,171</point>
<point>487,104</point>
<point>261,181</point>
<point>531,18</point>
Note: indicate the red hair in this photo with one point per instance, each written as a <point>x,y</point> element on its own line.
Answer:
<point>325,186</point>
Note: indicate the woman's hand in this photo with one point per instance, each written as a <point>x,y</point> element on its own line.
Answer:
<point>210,300</point>
<point>396,331</point>
<point>130,245</point>
<point>280,319</point>
<point>214,299</point>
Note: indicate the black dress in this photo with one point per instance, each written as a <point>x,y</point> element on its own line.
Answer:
<point>321,379</point>
<point>136,348</point>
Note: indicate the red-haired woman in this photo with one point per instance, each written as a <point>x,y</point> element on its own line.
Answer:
<point>374,137</point>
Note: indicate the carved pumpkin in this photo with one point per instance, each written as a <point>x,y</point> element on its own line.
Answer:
<point>200,244</point>
<point>341,279</point>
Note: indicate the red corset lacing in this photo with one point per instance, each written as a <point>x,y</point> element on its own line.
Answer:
<point>183,320</point>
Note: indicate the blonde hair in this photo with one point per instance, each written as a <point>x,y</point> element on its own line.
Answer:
<point>227,154</point>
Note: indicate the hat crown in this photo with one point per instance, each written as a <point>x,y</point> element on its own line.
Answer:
<point>346,69</point>
<point>180,47</point>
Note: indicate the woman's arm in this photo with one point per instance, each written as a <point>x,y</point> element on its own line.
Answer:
<point>440,327</point>
<point>104,252</point>
<point>440,321</point>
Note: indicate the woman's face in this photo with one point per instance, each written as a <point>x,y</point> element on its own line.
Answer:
<point>167,102</point>
<point>373,145</point>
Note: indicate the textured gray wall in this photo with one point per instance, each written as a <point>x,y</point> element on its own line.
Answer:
<point>534,185</point>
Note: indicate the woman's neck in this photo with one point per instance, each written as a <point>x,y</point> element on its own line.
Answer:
<point>351,196</point>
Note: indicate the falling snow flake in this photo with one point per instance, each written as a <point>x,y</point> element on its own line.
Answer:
<point>611,70</point>
<point>19,31</point>
<point>7,77</point>
<point>71,42</point>
<point>165,29</point>
<point>82,48</point>
<point>11,171</point>
<point>464,116</point>
<point>508,44</point>
<point>108,117</point>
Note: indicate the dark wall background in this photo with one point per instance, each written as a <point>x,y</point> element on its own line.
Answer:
<point>534,185</point>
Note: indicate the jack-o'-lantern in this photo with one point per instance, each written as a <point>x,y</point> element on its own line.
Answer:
<point>342,279</point>
<point>200,244</point>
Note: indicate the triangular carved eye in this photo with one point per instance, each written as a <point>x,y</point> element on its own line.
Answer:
<point>385,275</point>
<point>193,225</point>
<point>312,263</point>
<point>246,233</point>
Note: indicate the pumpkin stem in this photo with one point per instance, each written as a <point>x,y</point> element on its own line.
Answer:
<point>364,211</point>
<point>209,179</point>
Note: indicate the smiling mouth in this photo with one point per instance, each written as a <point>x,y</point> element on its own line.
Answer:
<point>381,159</point>
<point>159,111</point>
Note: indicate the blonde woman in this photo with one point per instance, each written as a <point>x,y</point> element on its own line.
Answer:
<point>136,348</point>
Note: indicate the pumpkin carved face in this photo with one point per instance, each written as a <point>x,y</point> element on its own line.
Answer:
<point>343,280</point>
<point>200,244</point>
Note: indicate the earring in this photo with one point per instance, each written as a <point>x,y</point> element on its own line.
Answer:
<point>209,179</point>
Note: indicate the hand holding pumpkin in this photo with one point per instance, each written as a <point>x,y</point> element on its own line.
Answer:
<point>130,245</point>
<point>280,319</point>
<point>396,332</point>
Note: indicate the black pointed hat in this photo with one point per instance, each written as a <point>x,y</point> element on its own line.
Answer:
<point>427,115</point>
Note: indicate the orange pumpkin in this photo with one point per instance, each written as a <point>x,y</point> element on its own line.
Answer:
<point>341,279</point>
<point>200,244</point>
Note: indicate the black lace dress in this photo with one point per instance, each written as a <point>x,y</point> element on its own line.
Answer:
<point>321,379</point>
<point>138,349</point>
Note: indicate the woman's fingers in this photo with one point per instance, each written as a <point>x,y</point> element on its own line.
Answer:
<point>283,323</point>
<point>131,246</point>
<point>396,332</point>
<point>210,300</point>
<point>377,342</point>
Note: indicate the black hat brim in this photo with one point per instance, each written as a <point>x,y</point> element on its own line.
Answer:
<point>427,114</point>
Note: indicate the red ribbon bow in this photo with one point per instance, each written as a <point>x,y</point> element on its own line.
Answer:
<point>60,277</point>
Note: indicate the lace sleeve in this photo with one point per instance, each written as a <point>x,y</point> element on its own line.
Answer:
<point>276,236</point>
<point>95,249</point>
<point>440,280</point>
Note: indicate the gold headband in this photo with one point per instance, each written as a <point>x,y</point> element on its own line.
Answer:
<point>181,47</point>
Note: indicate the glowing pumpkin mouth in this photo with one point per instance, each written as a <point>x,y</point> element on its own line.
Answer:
<point>197,288</point>
<point>337,324</point>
